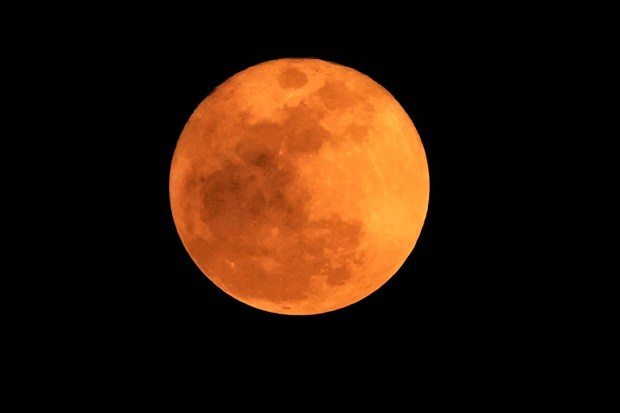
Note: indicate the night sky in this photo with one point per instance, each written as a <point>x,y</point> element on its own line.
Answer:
<point>467,292</point>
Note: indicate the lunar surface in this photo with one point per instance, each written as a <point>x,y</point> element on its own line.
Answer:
<point>299,186</point>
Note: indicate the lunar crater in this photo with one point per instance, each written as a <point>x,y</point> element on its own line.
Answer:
<point>335,95</point>
<point>292,78</point>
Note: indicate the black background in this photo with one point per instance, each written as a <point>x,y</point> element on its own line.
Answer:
<point>471,293</point>
<point>458,285</point>
<point>505,298</point>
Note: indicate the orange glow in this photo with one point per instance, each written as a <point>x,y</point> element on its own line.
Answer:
<point>299,186</point>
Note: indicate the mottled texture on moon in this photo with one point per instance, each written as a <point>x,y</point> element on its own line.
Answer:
<point>299,186</point>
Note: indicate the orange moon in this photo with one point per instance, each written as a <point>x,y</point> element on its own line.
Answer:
<point>299,186</point>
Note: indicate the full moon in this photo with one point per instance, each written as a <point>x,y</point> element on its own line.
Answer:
<point>299,186</point>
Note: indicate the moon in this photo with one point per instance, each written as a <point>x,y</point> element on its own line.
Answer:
<point>299,186</point>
